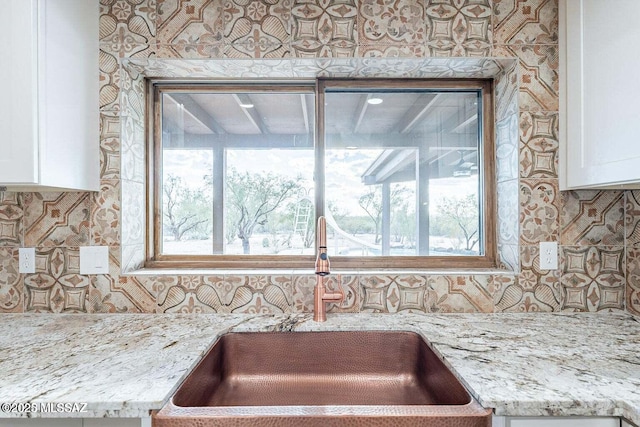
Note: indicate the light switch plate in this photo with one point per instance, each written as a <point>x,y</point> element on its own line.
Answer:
<point>27,260</point>
<point>548,255</point>
<point>94,260</point>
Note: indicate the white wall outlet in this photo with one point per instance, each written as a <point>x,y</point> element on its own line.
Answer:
<point>548,255</point>
<point>94,260</point>
<point>27,260</point>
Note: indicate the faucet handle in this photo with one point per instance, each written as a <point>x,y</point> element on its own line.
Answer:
<point>335,295</point>
<point>322,295</point>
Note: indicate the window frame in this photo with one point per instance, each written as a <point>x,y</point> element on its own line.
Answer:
<point>155,259</point>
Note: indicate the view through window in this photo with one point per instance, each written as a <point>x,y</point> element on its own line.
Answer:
<point>397,168</point>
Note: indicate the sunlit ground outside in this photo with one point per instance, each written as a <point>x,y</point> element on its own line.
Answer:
<point>288,228</point>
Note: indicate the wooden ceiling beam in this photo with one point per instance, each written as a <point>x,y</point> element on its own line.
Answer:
<point>196,111</point>
<point>251,112</point>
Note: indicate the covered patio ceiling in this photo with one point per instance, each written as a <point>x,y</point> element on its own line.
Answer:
<point>438,128</point>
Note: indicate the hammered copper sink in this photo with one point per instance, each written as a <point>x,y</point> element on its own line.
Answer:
<point>364,378</point>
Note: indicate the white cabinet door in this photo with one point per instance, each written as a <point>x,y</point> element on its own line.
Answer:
<point>599,114</point>
<point>49,114</point>
<point>18,108</point>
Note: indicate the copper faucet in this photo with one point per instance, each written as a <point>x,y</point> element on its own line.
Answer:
<point>321,295</point>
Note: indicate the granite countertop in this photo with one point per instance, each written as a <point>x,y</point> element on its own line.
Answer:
<point>518,364</point>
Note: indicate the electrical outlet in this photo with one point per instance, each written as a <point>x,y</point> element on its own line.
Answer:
<point>94,260</point>
<point>27,260</point>
<point>548,255</point>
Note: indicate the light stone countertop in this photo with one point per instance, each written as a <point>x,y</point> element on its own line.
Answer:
<point>518,364</point>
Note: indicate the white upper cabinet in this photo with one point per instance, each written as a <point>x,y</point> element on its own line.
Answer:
<point>49,114</point>
<point>599,110</point>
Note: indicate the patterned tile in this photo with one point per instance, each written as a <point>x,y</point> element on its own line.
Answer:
<point>459,27</point>
<point>257,28</point>
<point>57,219</point>
<point>127,22</point>
<point>109,79</point>
<point>539,145</point>
<point>512,298</point>
<point>350,285</point>
<point>506,93</point>
<point>392,51</point>
<point>228,294</point>
<point>190,29</point>
<point>391,294</point>
<point>535,290</point>
<point>303,286</point>
<point>525,22</point>
<point>632,217</point>
<point>113,293</point>
<point>593,278</point>
<point>459,294</point>
<point>508,257</point>
<point>497,283</point>
<point>190,51</point>
<point>468,67</point>
<point>105,214</point>
<point>392,67</point>
<point>56,286</point>
<point>507,148</point>
<point>391,22</point>
<point>133,214</point>
<point>133,258</point>
<point>271,294</point>
<point>11,218</point>
<point>633,281</point>
<point>110,71</point>
<point>252,50</point>
<point>592,218</point>
<point>157,285</point>
<point>539,211</point>
<point>133,150</point>
<point>109,145</point>
<point>11,283</point>
<point>508,225</point>
<point>231,295</point>
<point>538,74</point>
<point>375,292</point>
<point>324,28</point>
<point>516,299</point>
<point>197,29</point>
<point>192,294</point>
<point>133,95</point>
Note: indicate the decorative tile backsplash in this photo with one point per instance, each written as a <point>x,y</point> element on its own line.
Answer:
<point>57,219</point>
<point>11,282</point>
<point>11,219</point>
<point>598,231</point>
<point>57,285</point>
<point>593,278</point>
<point>324,28</point>
<point>459,27</point>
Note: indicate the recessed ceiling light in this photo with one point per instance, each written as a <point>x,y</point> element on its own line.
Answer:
<point>247,105</point>
<point>374,101</point>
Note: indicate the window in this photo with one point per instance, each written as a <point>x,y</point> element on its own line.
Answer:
<point>401,169</point>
